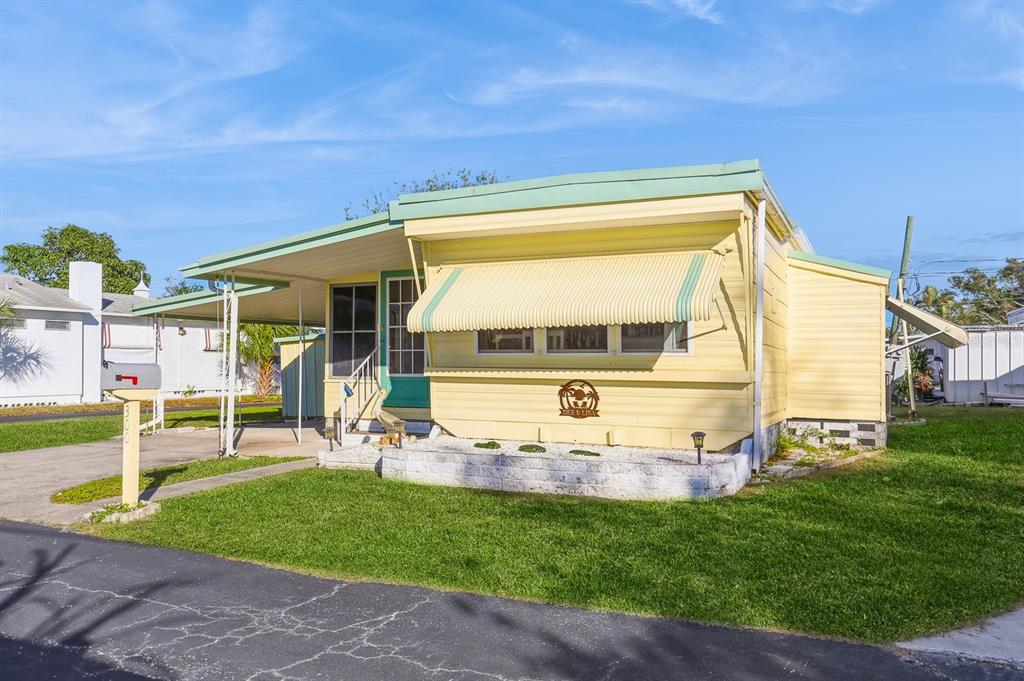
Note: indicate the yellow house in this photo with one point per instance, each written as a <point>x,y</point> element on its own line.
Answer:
<point>631,308</point>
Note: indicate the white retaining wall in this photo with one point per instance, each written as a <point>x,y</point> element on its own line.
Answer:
<point>583,476</point>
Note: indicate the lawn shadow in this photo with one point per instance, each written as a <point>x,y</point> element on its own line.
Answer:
<point>48,635</point>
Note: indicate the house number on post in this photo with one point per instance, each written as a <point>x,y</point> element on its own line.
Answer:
<point>578,399</point>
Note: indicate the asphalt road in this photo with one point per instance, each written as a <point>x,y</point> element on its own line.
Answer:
<point>73,607</point>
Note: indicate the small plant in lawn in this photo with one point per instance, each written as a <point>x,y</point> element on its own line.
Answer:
<point>490,444</point>
<point>99,514</point>
<point>532,449</point>
<point>583,452</point>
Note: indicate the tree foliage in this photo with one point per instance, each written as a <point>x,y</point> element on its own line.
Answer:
<point>438,181</point>
<point>47,263</point>
<point>256,346</point>
<point>975,297</point>
<point>177,287</point>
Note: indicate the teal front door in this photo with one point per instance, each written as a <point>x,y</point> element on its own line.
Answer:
<point>402,353</point>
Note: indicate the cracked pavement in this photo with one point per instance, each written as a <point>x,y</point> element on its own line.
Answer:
<point>78,607</point>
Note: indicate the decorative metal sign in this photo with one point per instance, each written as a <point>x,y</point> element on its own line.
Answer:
<point>578,399</point>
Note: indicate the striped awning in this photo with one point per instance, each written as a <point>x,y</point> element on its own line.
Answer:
<point>623,289</point>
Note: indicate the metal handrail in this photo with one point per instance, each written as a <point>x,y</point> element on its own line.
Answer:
<point>364,385</point>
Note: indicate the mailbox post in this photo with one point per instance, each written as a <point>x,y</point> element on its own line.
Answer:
<point>130,383</point>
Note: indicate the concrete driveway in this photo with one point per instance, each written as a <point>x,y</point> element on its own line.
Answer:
<point>28,478</point>
<point>73,606</point>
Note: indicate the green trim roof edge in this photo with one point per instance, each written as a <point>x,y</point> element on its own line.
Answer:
<point>841,264</point>
<point>211,264</point>
<point>582,189</point>
<point>171,303</point>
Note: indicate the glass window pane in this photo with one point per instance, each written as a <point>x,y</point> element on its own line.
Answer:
<point>417,341</point>
<point>394,290</point>
<point>406,340</point>
<point>682,333</point>
<point>417,362</point>
<point>407,291</point>
<point>643,337</point>
<point>505,340</point>
<point>341,354</point>
<point>394,314</point>
<point>365,308</point>
<point>405,312</point>
<point>342,302</point>
<point>394,339</point>
<point>578,339</point>
<point>395,362</point>
<point>363,346</point>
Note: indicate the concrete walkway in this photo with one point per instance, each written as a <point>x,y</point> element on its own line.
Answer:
<point>28,478</point>
<point>999,639</point>
<point>74,607</point>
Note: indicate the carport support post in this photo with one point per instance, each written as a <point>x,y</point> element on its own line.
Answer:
<point>302,351</point>
<point>130,453</point>
<point>229,440</point>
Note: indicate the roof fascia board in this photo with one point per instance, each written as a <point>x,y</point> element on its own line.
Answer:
<point>586,189</point>
<point>841,264</point>
<point>185,300</point>
<point>41,308</point>
<point>222,262</point>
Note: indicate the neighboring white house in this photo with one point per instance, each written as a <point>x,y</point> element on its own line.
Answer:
<point>52,351</point>
<point>1015,317</point>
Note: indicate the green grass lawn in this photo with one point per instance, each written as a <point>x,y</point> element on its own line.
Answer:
<point>929,537</point>
<point>163,476</point>
<point>36,434</point>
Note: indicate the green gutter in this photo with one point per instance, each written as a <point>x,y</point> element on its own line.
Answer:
<point>841,264</point>
<point>583,189</point>
<point>226,260</point>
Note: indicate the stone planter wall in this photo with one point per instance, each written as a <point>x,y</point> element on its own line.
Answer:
<point>576,475</point>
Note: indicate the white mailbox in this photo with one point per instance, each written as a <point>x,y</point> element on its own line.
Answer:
<point>130,376</point>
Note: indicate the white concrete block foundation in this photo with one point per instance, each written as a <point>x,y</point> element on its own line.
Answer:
<point>618,477</point>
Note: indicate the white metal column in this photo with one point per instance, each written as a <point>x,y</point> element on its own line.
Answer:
<point>232,368</point>
<point>302,351</point>
<point>222,329</point>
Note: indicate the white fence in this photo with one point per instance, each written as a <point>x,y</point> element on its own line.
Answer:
<point>992,362</point>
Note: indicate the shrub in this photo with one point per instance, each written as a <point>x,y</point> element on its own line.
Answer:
<point>532,449</point>
<point>490,444</point>
<point>583,452</point>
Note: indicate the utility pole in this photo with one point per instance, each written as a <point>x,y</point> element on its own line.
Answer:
<point>902,324</point>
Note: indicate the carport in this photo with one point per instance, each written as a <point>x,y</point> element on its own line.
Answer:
<point>282,281</point>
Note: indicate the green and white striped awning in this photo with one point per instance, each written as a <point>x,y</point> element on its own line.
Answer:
<point>643,288</point>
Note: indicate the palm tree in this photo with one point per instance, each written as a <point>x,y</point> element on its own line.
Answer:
<point>6,308</point>
<point>256,346</point>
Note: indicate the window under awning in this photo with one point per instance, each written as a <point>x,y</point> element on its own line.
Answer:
<point>602,290</point>
<point>947,333</point>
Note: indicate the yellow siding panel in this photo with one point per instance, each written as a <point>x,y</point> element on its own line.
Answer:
<point>661,407</point>
<point>836,345</point>
<point>630,413</point>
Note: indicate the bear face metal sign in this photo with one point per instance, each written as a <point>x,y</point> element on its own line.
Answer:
<point>578,399</point>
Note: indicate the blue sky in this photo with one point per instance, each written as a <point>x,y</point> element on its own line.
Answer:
<point>184,129</point>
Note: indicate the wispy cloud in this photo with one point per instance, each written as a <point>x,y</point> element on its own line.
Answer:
<point>1004,19</point>
<point>850,7</point>
<point>703,10</point>
<point>156,96</point>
